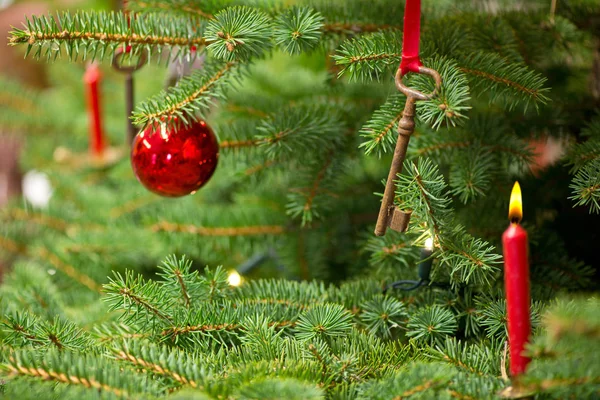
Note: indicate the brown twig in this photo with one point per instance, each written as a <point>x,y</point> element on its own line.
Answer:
<point>53,259</point>
<point>532,92</point>
<point>130,38</point>
<point>49,375</point>
<point>155,368</point>
<point>218,231</point>
<point>355,27</point>
<point>420,388</point>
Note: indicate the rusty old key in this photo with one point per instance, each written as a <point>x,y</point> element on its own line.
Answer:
<point>389,214</point>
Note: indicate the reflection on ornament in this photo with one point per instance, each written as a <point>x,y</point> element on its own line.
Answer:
<point>234,279</point>
<point>37,189</point>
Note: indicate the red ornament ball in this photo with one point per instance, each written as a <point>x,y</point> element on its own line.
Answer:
<point>173,159</point>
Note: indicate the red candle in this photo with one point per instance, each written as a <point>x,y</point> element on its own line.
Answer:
<point>92,78</point>
<point>516,280</point>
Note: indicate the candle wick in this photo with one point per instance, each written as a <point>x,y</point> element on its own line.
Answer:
<point>515,220</point>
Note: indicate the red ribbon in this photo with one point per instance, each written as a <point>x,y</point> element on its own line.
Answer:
<point>412,33</point>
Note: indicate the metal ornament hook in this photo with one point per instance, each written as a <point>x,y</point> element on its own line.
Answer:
<point>128,70</point>
<point>117,61</point>
<point>415,94</point>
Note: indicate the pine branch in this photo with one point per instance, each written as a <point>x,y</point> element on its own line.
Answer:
<point>317,188</point>
<point>572,318</point>
<point>423,190</point>
<point>17,98</point>
<point>116,331</point>
<point>452,101</point>
<point>431,325</point>
<point>173,363</point>
<point>415,379</point>
<point>283,292</point>
<point>67,269</point>
<point>586,187</point>
<point>371,56</point>
<point>179,277</point>
<point>509,83</point>
<point>238,33</point>
<point>29,289</point>
<point>204,9</point>
<point>585,153</point>
<point>561,366</point>
<point>447,108</point>
<point>21,328</point>
<point>143,302</point>
<point>38,218</point>
<point>64,367</point>
<point>192,95</point>
<point>46,255</point>
<point>300,130</point>
<point>225,325</point>
<point>471,260</point>
<point>297,29</point>
<point>238,144</point>
<point>380,130</point>
<point>219,231</point>
<point>24,329</point>
<point>382,314</point>
<point>328,320</point>
<point>493,317</point>
<point>391,253</point>
<point>354,28</point>
<point>353,17</point>
<point>290,388</point>
<point>478,359</point>
<point>99,34</point>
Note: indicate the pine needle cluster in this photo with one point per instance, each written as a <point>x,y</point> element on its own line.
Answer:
<point>302,99</point>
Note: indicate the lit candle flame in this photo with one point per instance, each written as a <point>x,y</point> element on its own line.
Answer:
<point>515,207</point>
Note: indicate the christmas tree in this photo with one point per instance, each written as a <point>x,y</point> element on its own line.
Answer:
<point>270,282</point>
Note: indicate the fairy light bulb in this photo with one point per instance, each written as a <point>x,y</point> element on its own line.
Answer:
<point>429,243</point>
<point>234,278</point>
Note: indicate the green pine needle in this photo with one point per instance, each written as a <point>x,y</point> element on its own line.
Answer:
<point>238,33</point>
<point>298,29</point>
<point>96,36</point>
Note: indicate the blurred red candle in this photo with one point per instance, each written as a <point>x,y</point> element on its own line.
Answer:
<point>92,79</point>
<point>516,280</point>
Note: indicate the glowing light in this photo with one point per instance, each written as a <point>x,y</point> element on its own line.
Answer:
<point>146,143</point>
<point>515,207</point>
<point>429,243</point>
<point>37,189</point>
<point>234,279</point>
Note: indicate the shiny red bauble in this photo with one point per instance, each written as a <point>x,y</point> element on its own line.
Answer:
<point>173,159</point>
